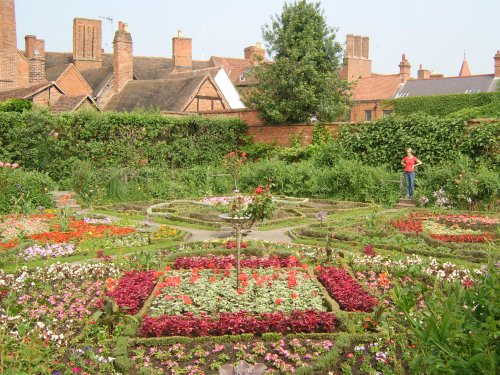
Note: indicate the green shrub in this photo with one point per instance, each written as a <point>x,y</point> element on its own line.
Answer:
<point>441,105</point>
<point>16,105</point>
<point>23,191</point>
<point>51,142</point>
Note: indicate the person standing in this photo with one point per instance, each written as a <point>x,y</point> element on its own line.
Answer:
<point>410,162</point>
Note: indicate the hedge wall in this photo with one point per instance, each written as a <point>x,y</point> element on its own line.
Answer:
<point>44,141</point>
<point>435,140</point>
<point>440,105</point>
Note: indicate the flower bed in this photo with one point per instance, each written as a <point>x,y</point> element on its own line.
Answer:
<point>280,356</point>
<point>48,251</point>
<point>213,291</point>
<point>52,302</point>
<point>346,291</point>
<point>449,228</point>
<point>222,262</point>
<point>237,323</point>
<point>78,230</point>
<point>133,288</point>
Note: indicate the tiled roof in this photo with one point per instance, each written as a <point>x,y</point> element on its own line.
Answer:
<point>97,78</point>
<point>235,68</point>
<point>69,103</point>
<point>168,95</point>
<point>448,85</point>
<point>52,74</point>
<point>27,92</point>
<point>377,87</point>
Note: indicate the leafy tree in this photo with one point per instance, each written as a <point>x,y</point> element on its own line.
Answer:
<point>304,78</point>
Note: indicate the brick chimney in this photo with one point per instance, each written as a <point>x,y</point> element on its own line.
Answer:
<point>8,46</point>
<point>497,64</point>
<point>357,63</point>
<point>87,43</point>
<point>423,73</point>
<point>404,69</point>
<point>35,53</point>
<point>123,58</point>
<point>255,53</point>
<point>182,51</point>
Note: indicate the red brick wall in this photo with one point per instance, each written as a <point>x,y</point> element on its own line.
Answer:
<point>281,134</point>
<point>8,38</point>
<point>358,111</point>
<point>36,70</point>
<point>71,83</point>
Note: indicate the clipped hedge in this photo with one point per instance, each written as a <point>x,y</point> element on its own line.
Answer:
<point>52,142</point>
<point>440,105</point>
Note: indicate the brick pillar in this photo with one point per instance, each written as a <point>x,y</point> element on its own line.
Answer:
<point>87,43</point>
<point>255,53</point>
<point>9,76</point>
<point>404,69</point>
<point>123,59</point>
<point>182,51</point>
<point>497,64</point>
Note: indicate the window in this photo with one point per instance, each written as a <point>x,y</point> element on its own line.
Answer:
<point>402,95</point>
<point>386,112</point>
<point>471,91</point>
<point>368,115</point>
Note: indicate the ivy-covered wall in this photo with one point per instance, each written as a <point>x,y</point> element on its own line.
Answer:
<point>44,141</point>
<point>441,105</point>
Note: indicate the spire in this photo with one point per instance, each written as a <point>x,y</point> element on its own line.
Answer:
<point>464,70</point>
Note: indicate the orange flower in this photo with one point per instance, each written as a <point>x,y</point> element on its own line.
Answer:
<point>383,280</point>
<point>278,301</point>
<point>295,295</point>
<point>304,266</point>
<point>168,268</point>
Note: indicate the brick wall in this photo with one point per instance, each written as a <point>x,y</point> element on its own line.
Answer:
<point>71,83</point>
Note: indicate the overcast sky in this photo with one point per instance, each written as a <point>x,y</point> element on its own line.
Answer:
<point>434,33</point>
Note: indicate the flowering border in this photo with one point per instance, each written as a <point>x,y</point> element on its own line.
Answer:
<point>345,290</point>
<point>308,321</point>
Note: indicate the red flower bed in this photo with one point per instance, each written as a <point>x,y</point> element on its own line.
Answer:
<point>237,323</point>
<point>222,262</point>
<point>463,237</point>
<point>133,289</point>
<point>408,225</point>
<point>80,229</point>
<point>346,291</point>
<point>8,245</point>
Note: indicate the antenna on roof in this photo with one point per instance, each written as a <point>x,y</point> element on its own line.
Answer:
<point>110,20</point>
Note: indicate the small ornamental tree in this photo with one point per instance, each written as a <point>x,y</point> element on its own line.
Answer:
<point>303,81</point>
<point>232,164</point>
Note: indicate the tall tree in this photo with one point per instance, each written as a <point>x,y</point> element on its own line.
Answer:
<point>304,78</point>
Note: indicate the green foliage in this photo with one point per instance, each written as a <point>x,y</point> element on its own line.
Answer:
<point>460,179</point>
<point>303,80</point>
<point>51,142</point>
<point>346,180</point>
<point>441,105</point>
<point>23,191</point>
<point>458,330</point>
<point>16,105</point>
<point>434,140</point>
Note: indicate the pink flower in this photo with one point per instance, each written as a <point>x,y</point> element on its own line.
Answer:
<point>15,165</point>
<point>7,165</point>
<point>1,164</point>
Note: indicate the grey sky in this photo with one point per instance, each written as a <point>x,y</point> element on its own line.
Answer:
<point>434,33</point>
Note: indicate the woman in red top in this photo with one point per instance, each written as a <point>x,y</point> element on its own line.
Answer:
<point>410,162</point>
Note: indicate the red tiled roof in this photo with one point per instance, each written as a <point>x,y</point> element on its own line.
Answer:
<point>376,87</point>
<point>464,70</point>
